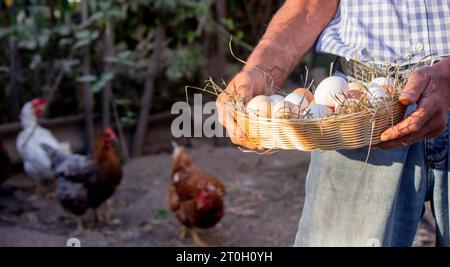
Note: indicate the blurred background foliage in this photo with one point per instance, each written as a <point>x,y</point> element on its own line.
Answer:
<point>42,43</point>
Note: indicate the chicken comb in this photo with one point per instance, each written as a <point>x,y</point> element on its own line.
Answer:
<point>110,132</point>
<point>39,102</point>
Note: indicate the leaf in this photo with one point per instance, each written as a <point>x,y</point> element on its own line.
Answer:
<point>184,62</point>
<point>86,78</point>
<point>101,83</point>
<point>29,44</point>
<point>160,214</point>
<point>107,76</point>
<point>81,43</point>
<point>116,12</point>
<point>97,87</point>
<point>82,34</point>
<point>43,38</point>
<point>95,17</point>
<point>5,32</point>
<point>4,69</point>
<point>190,36</point>
<point>35,61</point>
<point>65,41</point>
<point>67,65</point>
<point>63,30</point>
<point>229,23</point>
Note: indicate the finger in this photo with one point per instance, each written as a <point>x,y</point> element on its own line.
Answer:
<point>413,123</point>
<point>416,85</point>
<point>430,129</point>
<point>244,142</point>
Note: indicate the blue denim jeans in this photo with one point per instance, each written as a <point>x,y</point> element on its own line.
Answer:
<point>352,203</point>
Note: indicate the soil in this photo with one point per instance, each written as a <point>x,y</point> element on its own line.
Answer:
<point>263,204</point>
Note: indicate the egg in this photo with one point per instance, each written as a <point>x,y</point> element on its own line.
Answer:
<point>331,91</point>
<point>309,96</point>
<point>355,90</point>
<point>376,95</point>
<point>259,106</point>
<point>276,98</point>
<point>285,110</point>
<point>385,83</point>
<point>298,100</point>
<point>316,111</point>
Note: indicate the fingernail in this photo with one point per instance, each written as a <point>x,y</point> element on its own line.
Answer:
<point>406,97</point>
<point>384,136</point>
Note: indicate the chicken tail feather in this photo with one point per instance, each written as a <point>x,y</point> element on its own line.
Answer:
<point>65,148</point>
<point>55,156</point>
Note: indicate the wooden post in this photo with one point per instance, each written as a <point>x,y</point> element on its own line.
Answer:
<point>87,93</point>
<point>14,74</point>
<point>152,72</point>
<point>14,69</point>
<point>107,93</point>
<point>109,52</point>
<point>220,52</point>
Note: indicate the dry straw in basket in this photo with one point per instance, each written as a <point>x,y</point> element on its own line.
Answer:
<point>356,125</point>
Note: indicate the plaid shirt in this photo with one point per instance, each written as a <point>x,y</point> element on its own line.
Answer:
<point>388,30</point>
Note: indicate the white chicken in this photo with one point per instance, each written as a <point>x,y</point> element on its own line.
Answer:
<point>36,162</point>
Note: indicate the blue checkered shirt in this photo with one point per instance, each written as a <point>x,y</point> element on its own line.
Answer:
<point>388,30</point>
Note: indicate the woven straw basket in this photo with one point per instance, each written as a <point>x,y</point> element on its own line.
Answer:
<point>348,131</point>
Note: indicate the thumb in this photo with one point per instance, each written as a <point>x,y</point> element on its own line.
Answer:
<point>416,85</point>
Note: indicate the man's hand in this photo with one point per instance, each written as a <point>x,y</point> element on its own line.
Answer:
<point>243,86</point>
<point>429,87</point>
<point>290,34</point>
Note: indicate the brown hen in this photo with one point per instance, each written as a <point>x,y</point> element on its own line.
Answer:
<point>195,197</point>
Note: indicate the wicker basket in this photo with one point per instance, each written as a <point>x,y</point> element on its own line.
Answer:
<point>347,131</point>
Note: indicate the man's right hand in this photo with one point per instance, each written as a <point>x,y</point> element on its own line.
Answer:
<point>245,85</point>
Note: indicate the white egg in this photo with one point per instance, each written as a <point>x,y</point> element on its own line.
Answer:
<point>381,82</point>
<point>276,98</point>
<point>316,111</point>
<point>298,100</point>
<point>259,106</point>
<point>376,95</point>
<point>331,91</point>
<point>285,110</point>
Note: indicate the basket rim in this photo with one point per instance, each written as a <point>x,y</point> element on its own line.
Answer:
<point>393,102</point>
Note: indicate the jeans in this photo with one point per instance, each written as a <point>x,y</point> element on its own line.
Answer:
<point>350,202</point>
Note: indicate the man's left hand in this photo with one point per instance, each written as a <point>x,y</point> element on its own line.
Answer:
<point>429,87</point>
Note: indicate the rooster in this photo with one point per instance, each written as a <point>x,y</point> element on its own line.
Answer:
<point>36,162</point>
<point>5,163</point>
<point>196,198</point>
<point>83,182</point>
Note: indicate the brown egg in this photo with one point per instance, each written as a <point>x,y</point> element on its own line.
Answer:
<point>355,90</point>
<point>386,83</point>
<point>309,96</point>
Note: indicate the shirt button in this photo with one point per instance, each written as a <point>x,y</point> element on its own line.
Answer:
<point>419,47</point>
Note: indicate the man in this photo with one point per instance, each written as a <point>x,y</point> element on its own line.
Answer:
<point>347,202</point>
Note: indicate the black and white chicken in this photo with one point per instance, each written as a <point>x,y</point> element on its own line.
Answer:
<point>83,182</point>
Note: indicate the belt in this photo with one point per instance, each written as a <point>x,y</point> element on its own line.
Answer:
<point>368,71</point>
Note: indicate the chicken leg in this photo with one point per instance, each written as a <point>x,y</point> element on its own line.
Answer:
<point>197,240</point>
<point>80,227</point>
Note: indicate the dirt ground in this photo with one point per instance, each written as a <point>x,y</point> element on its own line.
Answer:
<point>264,202</point>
